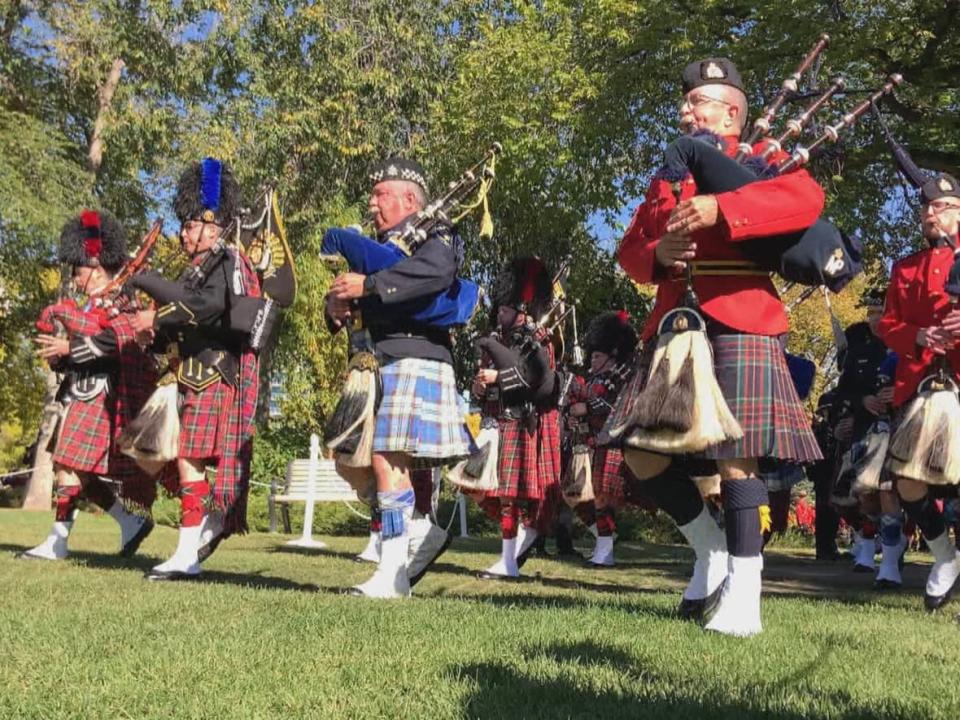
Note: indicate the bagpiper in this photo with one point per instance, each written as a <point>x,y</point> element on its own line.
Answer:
<point>518,390</point>
<point>216,371</point>
<point>107,378</point>
<point>922,325</point>
<point>610,344</point>
<point>419,421</point>
<point>676,230</point>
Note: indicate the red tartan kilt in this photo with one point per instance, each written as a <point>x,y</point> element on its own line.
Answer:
<point>608,471</point>
<point>203,420</point>
<point>85,436</point>
<point>529,463</point>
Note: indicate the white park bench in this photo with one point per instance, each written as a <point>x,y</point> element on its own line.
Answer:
<point>314,480</point>
<point>309,481</point>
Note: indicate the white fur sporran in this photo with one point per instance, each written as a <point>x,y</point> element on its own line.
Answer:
<point>926,444</point>
<point>577,482</point>
<point>152,438</point>
<point>478,473</point>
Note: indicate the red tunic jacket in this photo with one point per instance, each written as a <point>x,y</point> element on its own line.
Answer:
<point>748,303</point>
<point>916,299</point>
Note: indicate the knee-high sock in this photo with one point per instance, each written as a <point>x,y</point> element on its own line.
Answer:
<point>868,528</point>
<point>742,503</point>
<point>891,528</point>
<point>193,500</point>
<point>509,519</point>
<point>925,513</point>
<point>396,506</point>
<point>606,522</point>
<point>67,499</point>
<point>675,494</point>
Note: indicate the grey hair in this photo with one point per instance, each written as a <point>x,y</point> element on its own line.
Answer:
<point>418,193</point>
<point>738,100</point>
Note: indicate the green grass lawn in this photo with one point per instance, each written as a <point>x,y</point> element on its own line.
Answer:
<point>265,635</point>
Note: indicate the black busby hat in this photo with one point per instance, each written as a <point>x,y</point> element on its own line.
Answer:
<point>711,71</point>
<point>207,191</point>
<point>611,333</point>
<point>396,168</point>
<point>939,186</point>
<point>873,297</point>
<point>524,284</point>
<point>93,239</point>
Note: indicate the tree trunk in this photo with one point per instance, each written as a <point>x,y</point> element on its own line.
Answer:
<point>105,96</point>
<point>40,488</point>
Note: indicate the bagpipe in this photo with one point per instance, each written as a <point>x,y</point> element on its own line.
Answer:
<point>818,255</point>
<point>349,429</point>
<point>367,255</point>
<point>152,438</point>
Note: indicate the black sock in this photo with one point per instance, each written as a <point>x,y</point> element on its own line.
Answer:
<point>742,500</point>
<point>675,494</point>
<point>925,513</point>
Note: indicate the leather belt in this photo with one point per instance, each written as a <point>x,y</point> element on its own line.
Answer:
<point>726,267</point>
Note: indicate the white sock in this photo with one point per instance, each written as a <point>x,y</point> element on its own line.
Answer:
<point>526,536</point>
<point>738,613</point>
<point>390,579</point>
<point>946,565</point>
<point>507,564</point>
<point>184,558</point>
<point>890,561</point>
<point>129,523</point>
<point>709,544</point>
<point>603,552</point>
<point>54,547</point>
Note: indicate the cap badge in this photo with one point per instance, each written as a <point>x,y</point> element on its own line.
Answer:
<point>712,71</point>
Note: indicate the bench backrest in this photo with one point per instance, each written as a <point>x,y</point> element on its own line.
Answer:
<point>329,485</point>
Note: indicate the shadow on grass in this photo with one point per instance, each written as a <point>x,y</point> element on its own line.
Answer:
<point>311,552</point>
<point>140,564</point>
<point>504,691</point>
<point>105,561</point>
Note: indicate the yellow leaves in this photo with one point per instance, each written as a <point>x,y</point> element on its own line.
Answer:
<point>49,280</point>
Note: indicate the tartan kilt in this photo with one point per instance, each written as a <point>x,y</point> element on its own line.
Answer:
<point>421,414</point>
<point>203,420</point>
<point>608,469</point>
<point>85,435</point>
<point>753,376</point>
<point>529,462</point>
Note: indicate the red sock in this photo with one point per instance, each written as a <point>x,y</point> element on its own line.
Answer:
<point>868,531</point>
<point>606,523</point>
<point>509,517</point>
<point>193,499</point>
<point>67,498</point>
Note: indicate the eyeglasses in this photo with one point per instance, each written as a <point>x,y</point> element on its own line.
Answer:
<point>697,100</point>
<point>939,206</point>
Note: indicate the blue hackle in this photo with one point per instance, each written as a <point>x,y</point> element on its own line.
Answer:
<point>710,138</point>
<point>759,167</point>
<point>210,173</point>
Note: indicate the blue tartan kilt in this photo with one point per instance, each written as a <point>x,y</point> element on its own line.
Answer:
<point>421,414</point>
